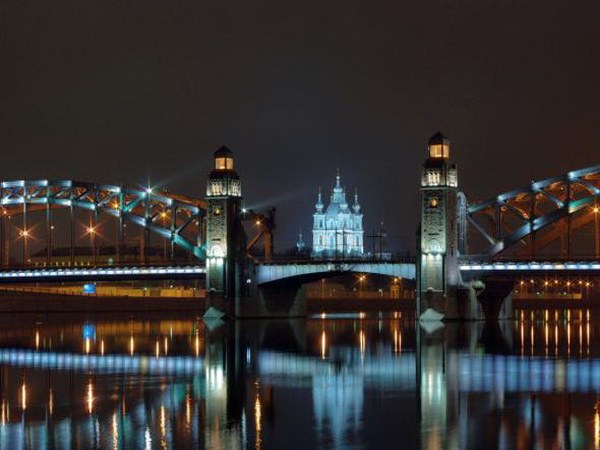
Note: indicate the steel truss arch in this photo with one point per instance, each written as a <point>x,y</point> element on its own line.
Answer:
<point>162,213</point>
<point>534,207</point>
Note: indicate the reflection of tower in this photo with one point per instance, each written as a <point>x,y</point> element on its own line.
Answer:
<point>224,232</point>
<point>438,241</point>
<point>338,400</point>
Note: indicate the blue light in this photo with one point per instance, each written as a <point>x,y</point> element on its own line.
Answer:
<point>89,331</point>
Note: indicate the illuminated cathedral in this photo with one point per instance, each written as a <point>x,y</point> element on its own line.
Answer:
<point>337,229</point>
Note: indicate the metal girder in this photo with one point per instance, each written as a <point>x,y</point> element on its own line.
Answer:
<point>581,189</point>
<point>139,206</point>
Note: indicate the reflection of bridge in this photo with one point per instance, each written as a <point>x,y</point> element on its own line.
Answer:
<point>133,364</point>
<point>476,373</point>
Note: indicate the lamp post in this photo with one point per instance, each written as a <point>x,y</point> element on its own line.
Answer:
<point>597,228</point>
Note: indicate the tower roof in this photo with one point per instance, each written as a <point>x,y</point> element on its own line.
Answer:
<point>438,138</point>
<point>223,152</point>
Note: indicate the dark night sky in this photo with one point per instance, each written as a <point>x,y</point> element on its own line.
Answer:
<point>130,90</point>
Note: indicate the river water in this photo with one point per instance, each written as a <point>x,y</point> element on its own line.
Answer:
<point>342,382</point>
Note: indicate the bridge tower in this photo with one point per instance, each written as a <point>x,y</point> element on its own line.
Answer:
<point>225,237</point>
<point>438,274</point>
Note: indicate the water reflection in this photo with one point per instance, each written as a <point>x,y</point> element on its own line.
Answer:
<point>357,382</point>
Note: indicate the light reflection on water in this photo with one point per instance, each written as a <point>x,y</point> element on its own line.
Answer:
<point>360,381</point>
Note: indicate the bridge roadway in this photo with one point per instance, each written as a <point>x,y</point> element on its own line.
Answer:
<point>270,272</point>
<point>108,273</point>
<point>311,270</point>
<point>528,267</point>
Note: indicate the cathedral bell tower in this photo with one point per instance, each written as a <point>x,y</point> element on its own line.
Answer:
<point>225,238</point>
<point>438,269</point>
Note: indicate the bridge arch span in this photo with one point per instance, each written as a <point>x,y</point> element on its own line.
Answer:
<point>173,217</point>
<point>511,217</point>
<point>302,273</point>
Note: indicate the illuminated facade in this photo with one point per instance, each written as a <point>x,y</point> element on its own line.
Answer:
<point>338,229</point>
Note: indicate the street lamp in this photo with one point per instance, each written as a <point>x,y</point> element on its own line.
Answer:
<point>92,232</point>
<point>25,234</point>
<point>361,279</point>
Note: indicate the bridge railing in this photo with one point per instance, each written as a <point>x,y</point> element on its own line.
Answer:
<point>124,264</point>
<point>484,259</point>
<point>295,259</point>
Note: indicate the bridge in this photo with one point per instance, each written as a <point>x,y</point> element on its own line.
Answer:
<point>133,232</point>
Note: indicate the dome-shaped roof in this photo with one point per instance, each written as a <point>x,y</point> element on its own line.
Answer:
<point>223,152</point>
<point>438,138</point>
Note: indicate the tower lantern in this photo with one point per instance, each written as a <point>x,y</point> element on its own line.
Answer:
<point>439,146</point>
<point>223,179</point>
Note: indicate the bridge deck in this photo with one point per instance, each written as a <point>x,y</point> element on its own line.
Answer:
<point>61,274</point>
<point>529,266</point>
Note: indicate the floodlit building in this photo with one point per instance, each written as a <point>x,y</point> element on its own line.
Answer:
<point>337,229</point>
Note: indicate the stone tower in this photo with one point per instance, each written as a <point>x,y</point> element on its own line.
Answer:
<point>225,238</point>
<point>438,270</point>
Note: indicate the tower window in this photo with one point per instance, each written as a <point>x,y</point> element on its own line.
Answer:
<point>439,151</point>
<point>216,188</point>
<point>224,163</point>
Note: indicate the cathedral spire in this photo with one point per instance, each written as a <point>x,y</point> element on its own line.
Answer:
<point>356,206</point>
<point>319,204</point>
<point>337,195</point>
<point>300,244</point>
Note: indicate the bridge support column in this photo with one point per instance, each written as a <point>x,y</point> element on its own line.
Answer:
<point>225,237</point>
<point>443,219</point>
